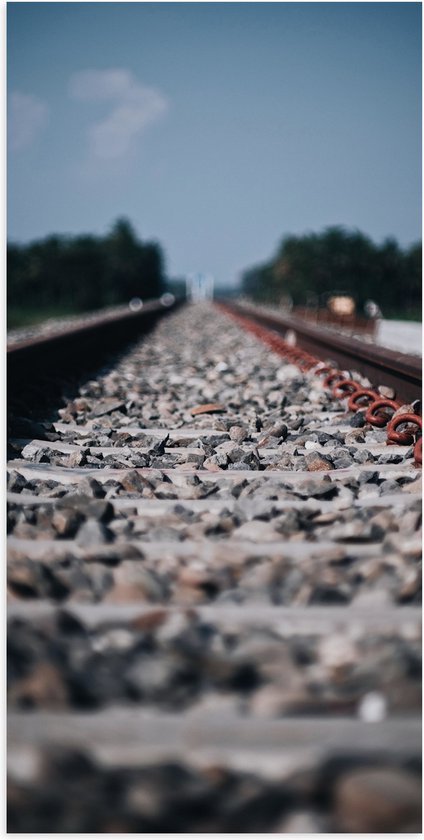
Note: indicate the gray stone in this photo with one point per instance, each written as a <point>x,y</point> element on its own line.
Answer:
<point>91,487</point>
<point>238,433</point>
<point>77,459</point>
<point>358,420</point>
<point>342,463</point>
<point>93,533</point>
<point>66,521</point>
<point>15,482</point>
<point>216,462</point>
<point>100,509</point>
<point>300,822</point>
<point>315,461</point>
<point>135,482</point>
<point>133,583</point>
<point>377,800</point>
<point>257,531</point>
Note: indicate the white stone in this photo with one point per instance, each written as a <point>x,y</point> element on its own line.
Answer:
<point>372,707</point>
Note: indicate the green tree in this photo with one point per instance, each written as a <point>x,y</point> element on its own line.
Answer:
<point>338,260</point>
<point>84,272</point>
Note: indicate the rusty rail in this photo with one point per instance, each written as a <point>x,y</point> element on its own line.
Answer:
<point>83,342</point>
<point>381,366</point>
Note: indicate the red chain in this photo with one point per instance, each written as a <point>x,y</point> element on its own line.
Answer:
<point>376,415</point>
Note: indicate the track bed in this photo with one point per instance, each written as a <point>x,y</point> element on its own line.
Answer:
<point>214,601</point>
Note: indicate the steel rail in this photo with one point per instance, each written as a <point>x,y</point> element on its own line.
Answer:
<point>40,368</point>
<point>382,366</point>
<point>85,342</point>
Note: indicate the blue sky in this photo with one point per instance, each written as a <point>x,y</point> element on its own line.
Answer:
<point>216,128</point>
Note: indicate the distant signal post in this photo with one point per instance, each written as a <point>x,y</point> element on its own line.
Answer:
<point>199,287</point>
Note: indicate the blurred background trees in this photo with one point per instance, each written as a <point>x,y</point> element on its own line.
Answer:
<point>308,268</point>
<point>64,274</point>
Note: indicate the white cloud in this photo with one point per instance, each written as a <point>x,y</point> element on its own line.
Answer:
<point>134,107</point>
<point>101,84</point>
<point>27,116</point>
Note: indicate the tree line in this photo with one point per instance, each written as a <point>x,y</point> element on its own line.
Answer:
<point>307,268</point>
<point>81,273</point>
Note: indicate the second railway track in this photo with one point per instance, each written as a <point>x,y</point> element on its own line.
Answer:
<point>214,600</point>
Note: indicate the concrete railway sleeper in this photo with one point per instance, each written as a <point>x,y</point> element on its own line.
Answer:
<point>214,593</point>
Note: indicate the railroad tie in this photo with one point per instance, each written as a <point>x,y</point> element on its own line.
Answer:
<point>214,594</point>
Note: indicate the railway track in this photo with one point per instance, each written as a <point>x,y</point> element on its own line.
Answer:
<point>213,592</point>
<point>399,371</point>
